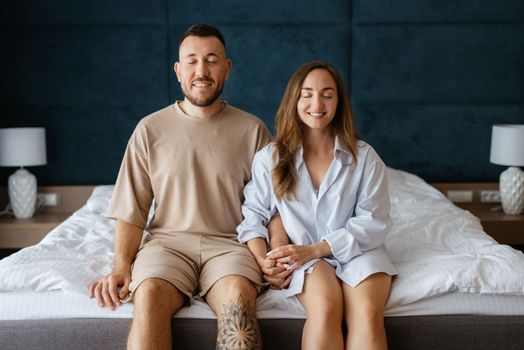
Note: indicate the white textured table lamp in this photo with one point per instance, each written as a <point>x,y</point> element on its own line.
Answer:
<point>507,148</point>
<point>21,147</point>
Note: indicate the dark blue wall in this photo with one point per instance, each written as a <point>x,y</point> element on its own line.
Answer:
<point>428,78</point>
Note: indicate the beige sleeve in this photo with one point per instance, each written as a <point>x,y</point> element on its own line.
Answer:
<point>133,194</point>
<point>264,137</point>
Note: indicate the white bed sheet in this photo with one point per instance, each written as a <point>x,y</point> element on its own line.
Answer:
<point>27,304</point>
<point>437,248</point>
<point>31,305</point>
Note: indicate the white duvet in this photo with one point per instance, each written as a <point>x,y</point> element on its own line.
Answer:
<point>437,248</point>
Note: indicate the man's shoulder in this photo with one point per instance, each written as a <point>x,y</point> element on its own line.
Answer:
<point>248,125</point>
<point>244,116</point>
<point>157,116</point>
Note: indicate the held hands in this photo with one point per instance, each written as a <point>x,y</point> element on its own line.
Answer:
<point>274,273</point>
<point>105,289</point>
<point>292,256</point>
<point>279,276</point>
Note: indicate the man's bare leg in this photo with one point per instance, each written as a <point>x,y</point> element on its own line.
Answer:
<point>233,299</point>
<point>155,302</point>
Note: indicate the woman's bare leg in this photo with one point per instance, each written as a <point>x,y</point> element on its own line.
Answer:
<point>364,312</point>
<point>322,299</point>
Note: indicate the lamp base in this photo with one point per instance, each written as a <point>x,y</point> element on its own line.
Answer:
<point>22,193</point>
<point>512,190</point>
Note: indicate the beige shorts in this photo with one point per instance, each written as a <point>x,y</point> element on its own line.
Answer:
<point>193,263</point>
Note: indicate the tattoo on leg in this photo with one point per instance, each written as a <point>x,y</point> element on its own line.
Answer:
<point>238,327</point>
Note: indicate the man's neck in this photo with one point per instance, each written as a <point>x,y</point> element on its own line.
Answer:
<point>201,112</point>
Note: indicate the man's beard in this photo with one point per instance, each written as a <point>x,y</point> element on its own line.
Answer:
<point>204,102</point>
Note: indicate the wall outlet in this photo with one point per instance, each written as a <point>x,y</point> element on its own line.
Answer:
<point>50,199</point>
<point>460,196</point>
<point>489,196</point>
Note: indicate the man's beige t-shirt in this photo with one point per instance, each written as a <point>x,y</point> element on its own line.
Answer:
<point>194,168</point>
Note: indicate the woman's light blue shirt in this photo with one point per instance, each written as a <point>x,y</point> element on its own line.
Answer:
<point>350,212</point>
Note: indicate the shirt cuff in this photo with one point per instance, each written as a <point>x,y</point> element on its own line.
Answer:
<point>343,245</point>
<point>251,234</point>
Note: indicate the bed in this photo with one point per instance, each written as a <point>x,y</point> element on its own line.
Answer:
<point>456,288</point>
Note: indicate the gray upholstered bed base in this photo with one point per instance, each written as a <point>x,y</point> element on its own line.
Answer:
<point>415,332</point>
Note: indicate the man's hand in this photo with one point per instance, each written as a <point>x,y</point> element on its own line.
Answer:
<point>127,241</point>
<point>105,289</point>
<point>274,273</point>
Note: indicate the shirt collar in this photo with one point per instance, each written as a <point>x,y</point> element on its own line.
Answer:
<point>341,154</point>
<point>299,156</point>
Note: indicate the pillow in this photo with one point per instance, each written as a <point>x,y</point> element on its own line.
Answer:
<point>98,202</point>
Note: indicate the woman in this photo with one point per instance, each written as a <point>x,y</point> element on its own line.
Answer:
<point>331,192</point>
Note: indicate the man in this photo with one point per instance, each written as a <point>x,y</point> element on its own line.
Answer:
<point>193,158</point>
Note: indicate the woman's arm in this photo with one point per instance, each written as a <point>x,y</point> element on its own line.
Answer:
<point>294,256</point>
<point>368,227</point>
<point>365,230</point>
<point>258,206</point>
<point>257,209</point>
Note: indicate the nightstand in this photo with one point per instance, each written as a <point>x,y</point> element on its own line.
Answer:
<point>20,233</point>
<point>506,229</point>
<point>16,234</point>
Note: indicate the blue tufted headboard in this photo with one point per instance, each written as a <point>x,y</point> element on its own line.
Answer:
<point>428,78</point>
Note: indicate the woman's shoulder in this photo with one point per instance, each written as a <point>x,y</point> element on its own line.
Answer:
<point>367,152</point>
<point>267,150</point>
<point>265,154</point>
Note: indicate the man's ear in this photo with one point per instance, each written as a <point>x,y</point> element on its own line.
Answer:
<point>229,64</point>
<point>176,68</point>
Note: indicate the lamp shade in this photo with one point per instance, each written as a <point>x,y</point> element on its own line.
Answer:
<point>507,144</point>
<point>22,147</point>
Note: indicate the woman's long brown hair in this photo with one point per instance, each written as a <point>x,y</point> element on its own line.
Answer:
<point>289,127</point>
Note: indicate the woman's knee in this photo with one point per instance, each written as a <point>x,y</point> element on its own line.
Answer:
<point>365,303</point>
<point>323,307</point>
<point>327,309</point>
<point>366,314</point>
<point>322,297</point>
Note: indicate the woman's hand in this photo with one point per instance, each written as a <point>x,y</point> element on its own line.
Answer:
<point>274,273</point>
<point>294,256</point>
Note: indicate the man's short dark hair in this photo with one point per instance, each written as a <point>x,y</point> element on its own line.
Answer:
<point>203,30</point>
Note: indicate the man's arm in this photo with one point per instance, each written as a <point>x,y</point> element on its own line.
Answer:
<point>277,233</point>
<point>127,241</point>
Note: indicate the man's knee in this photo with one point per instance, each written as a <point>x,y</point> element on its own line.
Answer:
<point>158,295</point>
<point>235,286</point>
<point>233,299</point>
